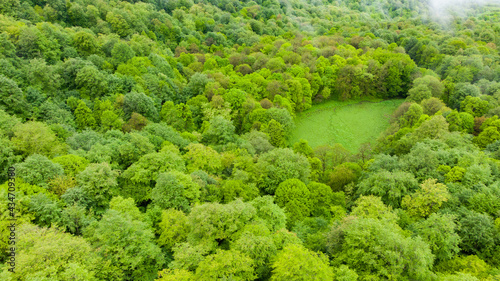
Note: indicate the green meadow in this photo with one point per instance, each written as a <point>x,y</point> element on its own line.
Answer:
<point>349,123</point>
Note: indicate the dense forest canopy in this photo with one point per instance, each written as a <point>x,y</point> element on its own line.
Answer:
<point>150,140</point>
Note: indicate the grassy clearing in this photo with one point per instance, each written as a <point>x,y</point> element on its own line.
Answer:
<point>349,123</point>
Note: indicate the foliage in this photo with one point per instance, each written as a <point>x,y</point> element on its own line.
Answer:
<point>49,253</point>
<point>295,262</point>
<point>367,246</point>
<point>174,275</point>
<point>232,189</point>
<point>35,138</point>
<point>257,243</point>
<point>373,207</point>
<point>225,264</point>
<point>439,231</point>
<point>139,103</point>
<point>38,170</point>
<point>279,165</point>
<point>223,123</point>
<point>213,221</point>
<point>321,199</point>
<point>220,131</point>
<point>11,99</point>
<point>141,176</point>
<point>390,186</point>
<point>477,233</point>
<point>130,257</point>
<point>200,157</point>
<point>72,164</point>
<point>173,228</point>
<point>294,196</point>
<point>99,182</point>
<point>175,190</point>
<point>271,214</point>
<point>427,200</point>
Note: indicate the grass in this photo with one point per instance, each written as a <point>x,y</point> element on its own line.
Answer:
<point>349,123</point>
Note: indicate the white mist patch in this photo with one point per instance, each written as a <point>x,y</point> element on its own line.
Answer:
<point>444,10</point>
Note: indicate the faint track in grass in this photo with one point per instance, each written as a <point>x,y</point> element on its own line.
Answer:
<point>348,123</point>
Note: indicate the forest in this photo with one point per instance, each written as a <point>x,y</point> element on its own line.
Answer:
<point>151,140</point>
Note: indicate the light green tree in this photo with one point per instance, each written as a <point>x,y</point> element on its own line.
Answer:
<point>121,53</point>
<point>200,157</point>
<point>258,244</point>
<point>294,196</point>
<point>11,96</point>
<point>373,207</point>
<point>427,200</point>
<point>321,199</point>
<point>50,254</point>
<point>84,117</point>
<point>220,131</point>
<point>230,265</point>
<point>85,43</point>
<point>174,275</point>
<point>269,212</point>
<point>232,189</point>
<point>475,106</point>
<point>276,133</point>
<point>36,137</point>
<point>303,147</point>
<point>296,263</point>
<point>91,82</point>
<point>173,228</point>
<point>72,164</point>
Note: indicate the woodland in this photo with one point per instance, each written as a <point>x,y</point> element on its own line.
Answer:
<point>150,140</point>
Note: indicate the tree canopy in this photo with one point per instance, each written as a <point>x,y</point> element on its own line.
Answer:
<point>153,140</point>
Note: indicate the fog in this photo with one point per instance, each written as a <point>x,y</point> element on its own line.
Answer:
<point>443,10</point>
